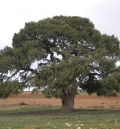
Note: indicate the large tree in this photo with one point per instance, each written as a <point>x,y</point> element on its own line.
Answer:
<point>59,56</point>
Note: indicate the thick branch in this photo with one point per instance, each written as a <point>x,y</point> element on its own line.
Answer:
<point>13,74</point>
<point>31,70</point>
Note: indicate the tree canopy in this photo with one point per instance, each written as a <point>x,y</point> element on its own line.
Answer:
<point>60,56</point>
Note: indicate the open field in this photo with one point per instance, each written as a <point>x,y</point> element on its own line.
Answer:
<point>27,111</point>
<point>38,117</point>
<point>81,101</point>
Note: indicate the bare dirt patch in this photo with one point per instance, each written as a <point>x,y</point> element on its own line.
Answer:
<point>81,101</point>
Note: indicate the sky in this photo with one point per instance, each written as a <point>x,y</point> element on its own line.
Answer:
<point>15,13</point>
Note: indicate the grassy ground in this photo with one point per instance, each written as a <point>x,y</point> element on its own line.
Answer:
<point>38,117</point>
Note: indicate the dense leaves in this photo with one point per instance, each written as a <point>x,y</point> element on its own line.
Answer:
<point>59,56</point>
<point>9,87</point>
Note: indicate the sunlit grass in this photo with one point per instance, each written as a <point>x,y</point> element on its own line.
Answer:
<point>36,117</point>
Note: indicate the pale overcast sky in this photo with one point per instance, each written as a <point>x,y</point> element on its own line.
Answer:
<point>14,13</point>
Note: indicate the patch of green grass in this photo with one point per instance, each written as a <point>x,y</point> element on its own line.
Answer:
<point>36,117</point>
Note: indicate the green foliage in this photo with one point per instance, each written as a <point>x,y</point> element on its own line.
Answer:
<point>110,85</point>
<point>9,87</point>
<point>61,78</point>
<point>60,55</point>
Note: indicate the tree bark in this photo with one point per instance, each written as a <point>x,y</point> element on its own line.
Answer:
<point>67,103</point>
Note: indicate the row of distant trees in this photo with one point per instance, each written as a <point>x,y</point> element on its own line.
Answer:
<point>61,55</point>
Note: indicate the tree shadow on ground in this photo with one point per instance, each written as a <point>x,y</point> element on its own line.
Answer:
<point>58,112</point>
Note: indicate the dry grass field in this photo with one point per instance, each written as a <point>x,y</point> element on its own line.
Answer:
<point>27,111</point>
<point>81,101</point>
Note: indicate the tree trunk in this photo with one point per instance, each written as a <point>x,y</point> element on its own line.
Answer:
<point>67,103</point>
